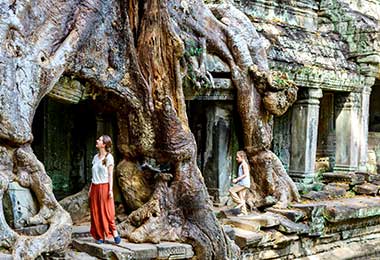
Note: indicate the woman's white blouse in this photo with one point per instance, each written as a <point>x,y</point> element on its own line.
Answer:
<point>99,170</point>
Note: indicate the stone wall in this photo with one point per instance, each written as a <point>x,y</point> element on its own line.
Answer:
<point>330,49</point>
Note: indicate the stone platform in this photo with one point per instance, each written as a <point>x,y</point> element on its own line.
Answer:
<point>346,228</point>
<point>82,242</point>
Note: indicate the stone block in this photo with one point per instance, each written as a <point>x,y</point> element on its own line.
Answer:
<point>215,64</point>
<point>244,238</point>
<point>262,220</point>
<point>357,180</point>
<point>289,227</point>
<point>140,251</point>
<point>351,178</point>
<point>366,189</point>
<point>5,256</point>
<point>374,179</point>
<point>337,177</point>
<point>102,251</point>
<point>171,250</point>
<point>335,191</point>
<point>243,224</point>
<point>32,230</point>
<point>73,255</point>
<point>292,214</point>
<point>339,185</point>
<point>80,231</point>
<point>316,195</point>
<point>19,205</point>
<point>266,202</point>
<point>353,208</point>
<point>229,231</point>
<point>228,213</point>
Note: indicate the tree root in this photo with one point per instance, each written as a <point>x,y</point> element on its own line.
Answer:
<point>30,173</point>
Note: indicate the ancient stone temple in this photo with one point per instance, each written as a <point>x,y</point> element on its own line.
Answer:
<point>181,86</point>
<point>331,51</point>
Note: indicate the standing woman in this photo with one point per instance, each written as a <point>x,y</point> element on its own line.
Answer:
<point>102,206</point>
<point>242,183</point>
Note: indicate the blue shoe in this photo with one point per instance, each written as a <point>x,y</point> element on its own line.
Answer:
<point>117,240</point>
<point>100,241</point>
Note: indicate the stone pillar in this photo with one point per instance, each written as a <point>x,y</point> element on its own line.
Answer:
<point>219,154</point>
<point>363,118</point>
<point>304,135</point>
<point>348,132</point>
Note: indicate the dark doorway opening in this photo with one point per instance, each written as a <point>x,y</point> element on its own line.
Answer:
<point>64,141</point>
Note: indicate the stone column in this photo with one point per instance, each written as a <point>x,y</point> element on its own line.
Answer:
<point>348,132</point>
<point>218,154</point>
<point>363,118</point>
<point>304,135</point>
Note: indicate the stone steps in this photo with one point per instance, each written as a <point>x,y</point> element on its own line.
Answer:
<point>5,256</point>
<point>245,238</point>
<point>125,250</point>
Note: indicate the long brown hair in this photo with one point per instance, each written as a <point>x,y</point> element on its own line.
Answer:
<point>108,142</point>
<point>243,155</point>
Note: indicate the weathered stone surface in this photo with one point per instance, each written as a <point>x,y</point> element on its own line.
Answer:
<point>33,230</point>
<point>233,212</point>
<point>339,185</point>
<point>344,209</point>
<point>5,256</point>
<point>244,238</point>
<point>374,179</point>
<point>242,224</point>
<point>352,208</point>
<point>229,231</point>
<point>215,64</point>
<point>170,250</point>
<point>305,116</point>
<point>73,255</point>
<point>356,250</point>
<point>292,214</point>
<point>351,178</point>
<point>266,202</point>
<point>140,251</point>
<point>289,227</point>
<point>335,191</point>
<point>366,188</point>
<point>77,206</point>
<point>261,220</point>
<point>337,177</point>
<point>164,250</point>
<point>316,195</point>
<point>19,205</point>
<point>81,231</point>
<point>102,251</point>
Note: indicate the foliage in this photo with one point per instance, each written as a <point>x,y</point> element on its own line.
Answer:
<point>192,49</point>
<point>281,80</point>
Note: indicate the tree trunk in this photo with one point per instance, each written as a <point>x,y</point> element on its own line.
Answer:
<point>135,55</point>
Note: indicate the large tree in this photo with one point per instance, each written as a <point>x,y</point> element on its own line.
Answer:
<point>136,55</point>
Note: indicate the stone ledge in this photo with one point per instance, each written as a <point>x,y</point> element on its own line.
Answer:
<point>5,256</point>
<point>102,251</point>
<point>244,238</point>
<point>344,209</point>
<point>125,250</point>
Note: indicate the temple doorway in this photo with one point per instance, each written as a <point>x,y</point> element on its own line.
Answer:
<point>64,141</point>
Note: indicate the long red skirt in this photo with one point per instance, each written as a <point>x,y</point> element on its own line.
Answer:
<point>102,210</point>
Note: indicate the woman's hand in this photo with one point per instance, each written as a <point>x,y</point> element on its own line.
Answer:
<point>110,193</point>
<point>234,181</point>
